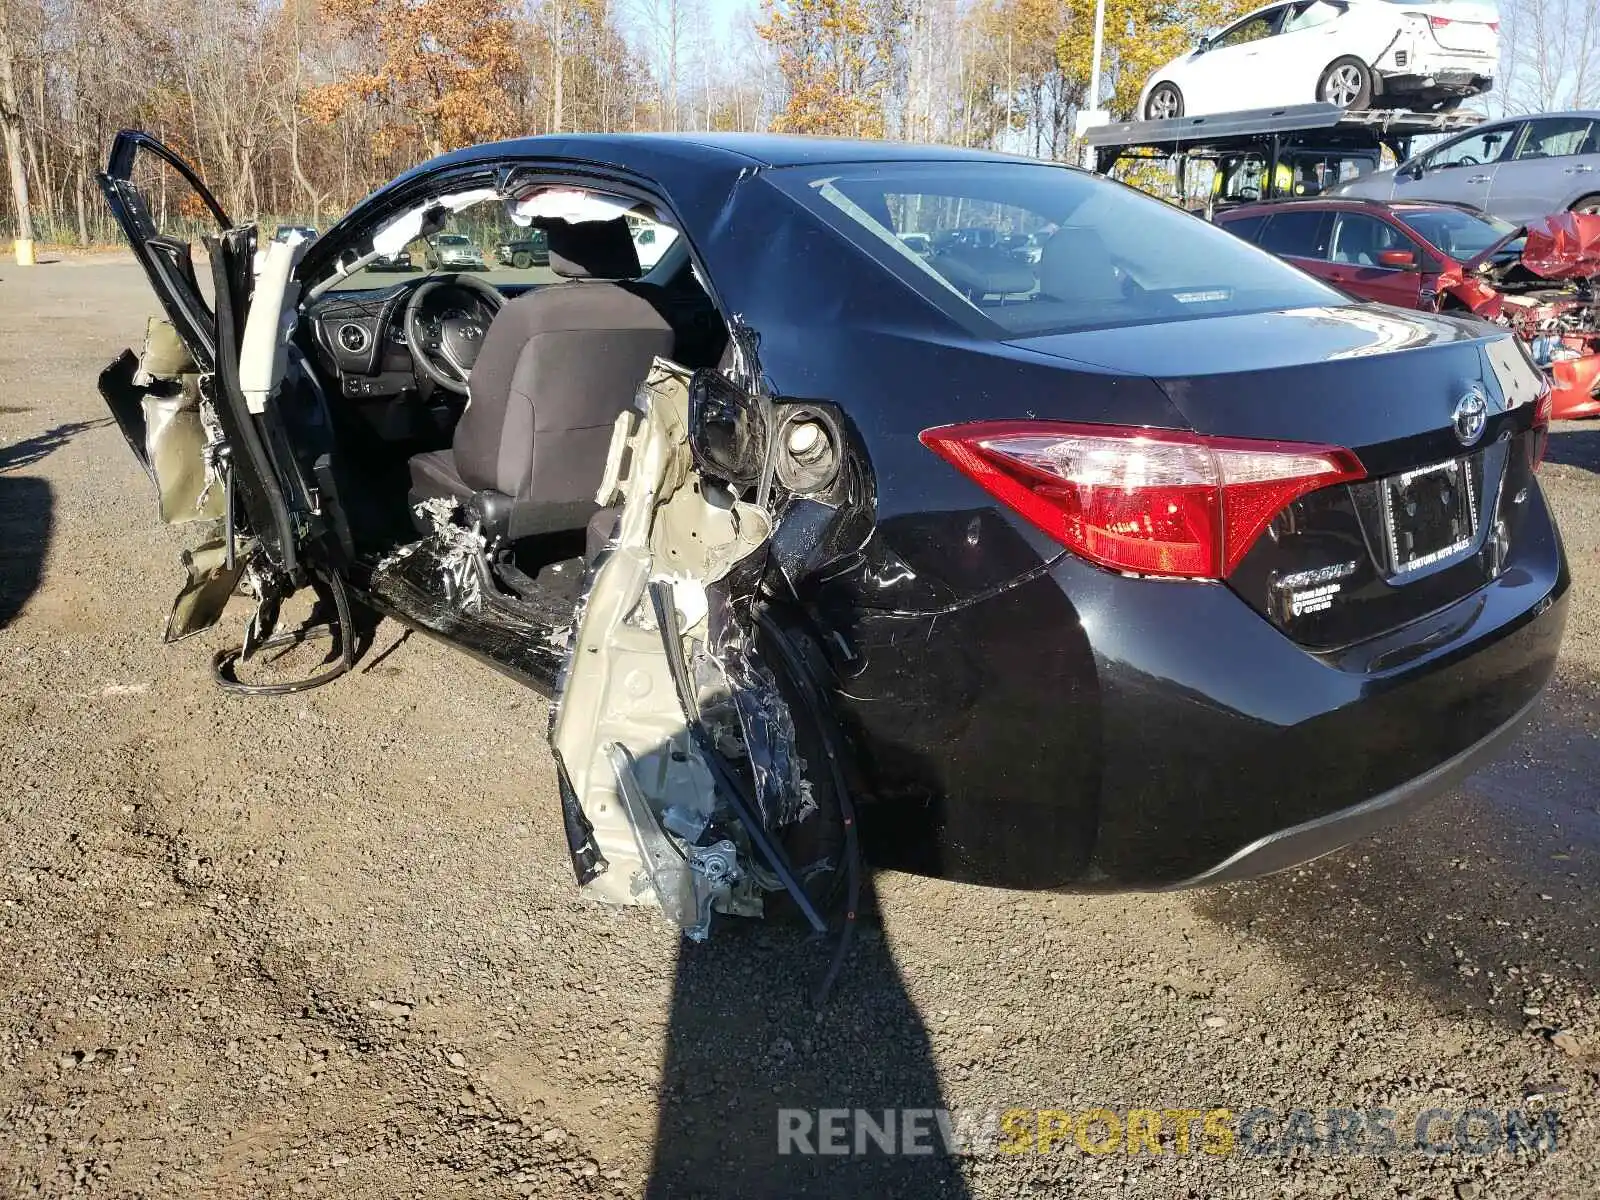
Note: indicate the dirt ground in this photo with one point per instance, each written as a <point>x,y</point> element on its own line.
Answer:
<point>329,945</point>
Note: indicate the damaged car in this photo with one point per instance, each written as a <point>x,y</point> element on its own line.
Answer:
<point>1541,280</point>
<point>1173,568</point>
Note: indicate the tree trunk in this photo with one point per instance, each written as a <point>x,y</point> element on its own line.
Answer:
<point>80,187</point>
<point>11,129</point>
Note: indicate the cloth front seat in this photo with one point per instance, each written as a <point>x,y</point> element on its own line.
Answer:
<point>557,366</point>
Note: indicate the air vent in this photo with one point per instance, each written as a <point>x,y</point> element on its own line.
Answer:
<point>354,338</point>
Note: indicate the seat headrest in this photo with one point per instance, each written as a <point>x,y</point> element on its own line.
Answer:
<point>1075,265</point>
<point>592,249</point>
<point>984,271</point>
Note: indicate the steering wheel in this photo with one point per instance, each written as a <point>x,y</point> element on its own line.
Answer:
<point>1466,160</point>
<point>446,347</point>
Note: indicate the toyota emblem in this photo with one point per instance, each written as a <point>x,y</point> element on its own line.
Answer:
<point>1471,416</point>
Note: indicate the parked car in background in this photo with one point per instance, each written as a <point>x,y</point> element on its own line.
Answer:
<point>453,252</point>
<point>527,250</point>
<point>1024,247</point>
<point>650,240</point>
<point>1521,169</point>
<point>917,243</point>
<point>400,260</point>
<point>285,233</point>
<point>1426,54</point>
<point>1539,281</point>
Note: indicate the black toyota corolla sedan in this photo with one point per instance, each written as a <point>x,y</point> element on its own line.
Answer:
<point>842,534</point>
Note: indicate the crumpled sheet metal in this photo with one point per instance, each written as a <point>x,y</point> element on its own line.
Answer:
<point>766,727</point>
<point>1564,246</point>
<point>456,549</point>
<point>412,580</point>
<point>178,436</point>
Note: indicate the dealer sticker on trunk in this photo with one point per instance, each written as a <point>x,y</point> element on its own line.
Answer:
<point>1312,591</point>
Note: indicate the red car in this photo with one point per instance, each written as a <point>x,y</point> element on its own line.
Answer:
<point>1542,280</point>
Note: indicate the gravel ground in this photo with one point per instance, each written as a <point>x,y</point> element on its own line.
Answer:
<point>329,945</point>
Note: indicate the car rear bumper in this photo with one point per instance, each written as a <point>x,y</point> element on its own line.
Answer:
<point>1439,84</point>
<point>1323,835</point>
<point>1088,731</point>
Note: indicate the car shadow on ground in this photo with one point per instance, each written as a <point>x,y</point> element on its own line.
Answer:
<point>25,525</point>
<point>30,450</point>
<point>1484,903</point>
<point>1575,445</point>
<point>744,1043</point>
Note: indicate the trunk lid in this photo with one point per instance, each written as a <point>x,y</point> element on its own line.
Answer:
<point>1462,26</point>
<point>1439,412</point>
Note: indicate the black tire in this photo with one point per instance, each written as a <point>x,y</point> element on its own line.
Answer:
<point>1587,204</point>
<point>1347,83</point>
<point>1169,105</point>
<point>1449,104</point>
<point>522,260</point>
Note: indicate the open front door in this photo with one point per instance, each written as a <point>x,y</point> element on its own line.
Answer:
<point>217,460</point>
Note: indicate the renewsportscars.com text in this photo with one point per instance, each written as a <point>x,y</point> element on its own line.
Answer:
<point>1260,1132</point>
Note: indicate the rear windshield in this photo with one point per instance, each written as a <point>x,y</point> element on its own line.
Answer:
<point>1037,249</point>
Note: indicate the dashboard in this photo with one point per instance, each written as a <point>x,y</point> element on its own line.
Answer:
<point>360,341</point>
<point>360,337</point>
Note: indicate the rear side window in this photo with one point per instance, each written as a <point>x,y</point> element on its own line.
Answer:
<point>1035,249</point>
<point>1298,234</point>
<point>1248,228</point>
<point>1555,137</point>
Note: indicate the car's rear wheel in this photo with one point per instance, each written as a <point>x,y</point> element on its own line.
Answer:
<point>1164,103</point>
<point>1587,204</point>
<point>522,260</point>
<point>1448,104</point>
<point>1347,84</point>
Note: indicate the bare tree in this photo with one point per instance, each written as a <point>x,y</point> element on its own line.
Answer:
<point>11,127</point>
<point>1549,55</point>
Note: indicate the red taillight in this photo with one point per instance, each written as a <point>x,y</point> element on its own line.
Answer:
<point>1146,501</point>
<point>1438,22</point>
<point>1494,26</point>
<point>1543,410</point>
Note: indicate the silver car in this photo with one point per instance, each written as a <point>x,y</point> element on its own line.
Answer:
<point>453,251</point>
<point>1520,168</point>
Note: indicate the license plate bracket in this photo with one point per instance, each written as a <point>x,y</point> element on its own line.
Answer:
<point>1430,514</point>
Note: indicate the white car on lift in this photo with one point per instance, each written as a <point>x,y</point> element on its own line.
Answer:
<point>1420,54</point>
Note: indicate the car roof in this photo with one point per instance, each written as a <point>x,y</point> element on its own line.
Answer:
<point>764,149</point>
<point>1592,114</point>
<point>1263,207</point>
<point>1345,203</point>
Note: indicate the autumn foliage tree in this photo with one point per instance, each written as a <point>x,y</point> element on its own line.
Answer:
<point>440,71</point>
<point>837,60</point>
